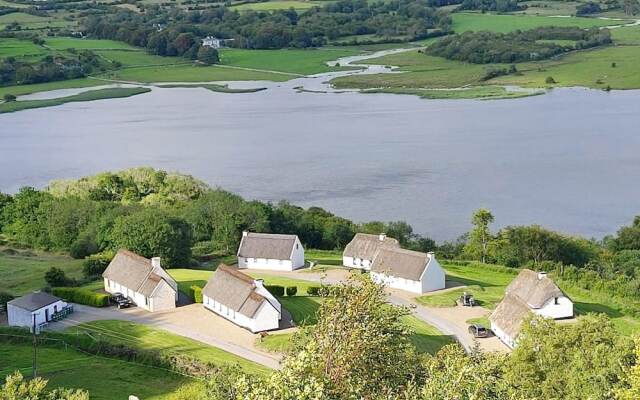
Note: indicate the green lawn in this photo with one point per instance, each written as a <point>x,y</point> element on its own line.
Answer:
<point>303,62</point>
<point>139,58</point>
<point>145,337</point>
<point>463,22</point>
<point>62,43</point>
<point>10,47</point>
<point>276,5</point>
<point>28,21</point>
<point>18,90</point>
<point>24,272</point>
<point>5,3</point>
<point>275,343</point>
<point>629,35</point>
<point>100,376</point>
<point>470,92</point>
<point>302,308</point>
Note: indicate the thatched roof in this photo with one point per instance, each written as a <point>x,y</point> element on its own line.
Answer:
<point>533,288</point>
<point>235,290</point>
<point>267,245</point>
<point>34,301</point>
<point>509,315</point>
<point>365,246</point>
<point>400,263</point>
<point>529,290</point>
<point>133,272</point>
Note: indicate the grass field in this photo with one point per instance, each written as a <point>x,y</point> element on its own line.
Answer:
<point>277,5</point>
<point>191,73</point>
<point>28,21</point>
<point>62,43</point>
<point>303,62</point>
<point>148,338</point>
<point>100,376</point>
<point>139,58</point>
<point>24,272</point>
<point>20,48</point>
<point>5,3</point>
<point>463,22</point>
<point>470,92</point>
<point>92,95</point>
<point>487,284</point>
<point>19,90</point>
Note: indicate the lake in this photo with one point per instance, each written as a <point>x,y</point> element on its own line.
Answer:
<point>568,160</point>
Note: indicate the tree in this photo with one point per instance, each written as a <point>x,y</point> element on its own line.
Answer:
<point>480,236</point>
<point>16,388</point>
<point>628,237</point>
<point>359,348</point>
<point>630,389</point>
<point>56,277</point>
<point>8,97</point>
<point>154,232</point>
<point>583,360</point>
<point>208,55</point>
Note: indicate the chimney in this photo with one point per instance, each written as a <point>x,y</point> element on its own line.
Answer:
<point>155,262</point>
<point>382,237</point>
<point>245,233</point>
<point>542,274</point>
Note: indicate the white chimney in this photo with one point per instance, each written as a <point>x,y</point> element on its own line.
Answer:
<point>155,262</point>
<point>382,237</point>
<point>541,275</point>
<point>245,233</point>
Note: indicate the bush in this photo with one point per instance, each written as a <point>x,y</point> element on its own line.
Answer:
<point>82,247</point>
<point>4,299</point>
<point>313,290</point>
<point>9,98</point>
<point>96,264</point>
<point>275,290</point>
<point>550,80</point>
<point>292,290</point>
<point>196,293</point>
<point>57,277</point>
<point>81,296</point>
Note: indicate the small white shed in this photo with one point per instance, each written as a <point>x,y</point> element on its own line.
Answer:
<point>36,307</point>
<point>242,300</point>
<point>270,251</point>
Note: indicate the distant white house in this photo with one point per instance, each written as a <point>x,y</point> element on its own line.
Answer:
<point>529,292</point>
<point>142,280</point>
<point>362,249</point>
<point>242,300</point>
<point>270,251</point>
<point>214,42</point>
<point>35,308</point>
<point>408,270</point>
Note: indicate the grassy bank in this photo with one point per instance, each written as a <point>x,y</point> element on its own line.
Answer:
<point>19,90</point>
<point>212,87</point>
<point>22,271</point>
<point>473,92</point>
<point>463,22</point>
<point>147,338</point>
<point>100,376</point>
<point>92,95</point>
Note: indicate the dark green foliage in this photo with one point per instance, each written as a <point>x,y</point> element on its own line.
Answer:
<point>518,46</point>
<point>550,80</point>
<point>292,290</point>
<point>628,237</point>
<point>81,296</point>
<point>269,30</point>
<point>313,290</point>
<point>491,5</point>
<point>275,290</point>
<point>153,232</point>
<point>9,97</point>
<point>4,299</point>
<point>208,55</point>
<point>196,293</point>
<point>588,8</point>
<point>57,277</point>
<point>95,264</point>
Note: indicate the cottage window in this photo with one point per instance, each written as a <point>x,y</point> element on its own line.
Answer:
<point>296,246</point>
<point>555,301</point>
<point>146,301</point>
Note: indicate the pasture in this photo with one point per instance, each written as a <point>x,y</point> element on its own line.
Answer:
<point>463,22</point>
<point>10,47</point>
<point>194,73</point>
<point>31,22</point>
<point>99,375</point>
<point>63,43</point>
<point>147,338</point>
<point>22,271</point>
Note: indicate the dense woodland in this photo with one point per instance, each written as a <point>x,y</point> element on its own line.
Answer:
<point>177,32</point>
<point>519,46</point>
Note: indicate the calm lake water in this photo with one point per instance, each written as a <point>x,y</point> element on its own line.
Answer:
<point>569,160</point>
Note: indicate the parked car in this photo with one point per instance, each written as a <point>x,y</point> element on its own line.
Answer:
<point>467,300</point>
<point>121,301</point>
<point>479,331</point>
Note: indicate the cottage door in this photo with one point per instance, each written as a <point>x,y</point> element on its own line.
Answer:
<point>46,315</point>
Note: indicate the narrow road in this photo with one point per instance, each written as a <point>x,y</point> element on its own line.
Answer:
<point>169,321</point>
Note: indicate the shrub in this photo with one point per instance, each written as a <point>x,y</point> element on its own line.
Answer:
<point>550,80</point>
<point>96,264</point>
<point>82,247</point>
<point>275,290</point>
<point>9,97</point>
<point>313,290</point>
<point>4,299</point>
<point>57,277</point>
<point>82,296</point>
<point>292,290</point>
<point>196,293</point>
